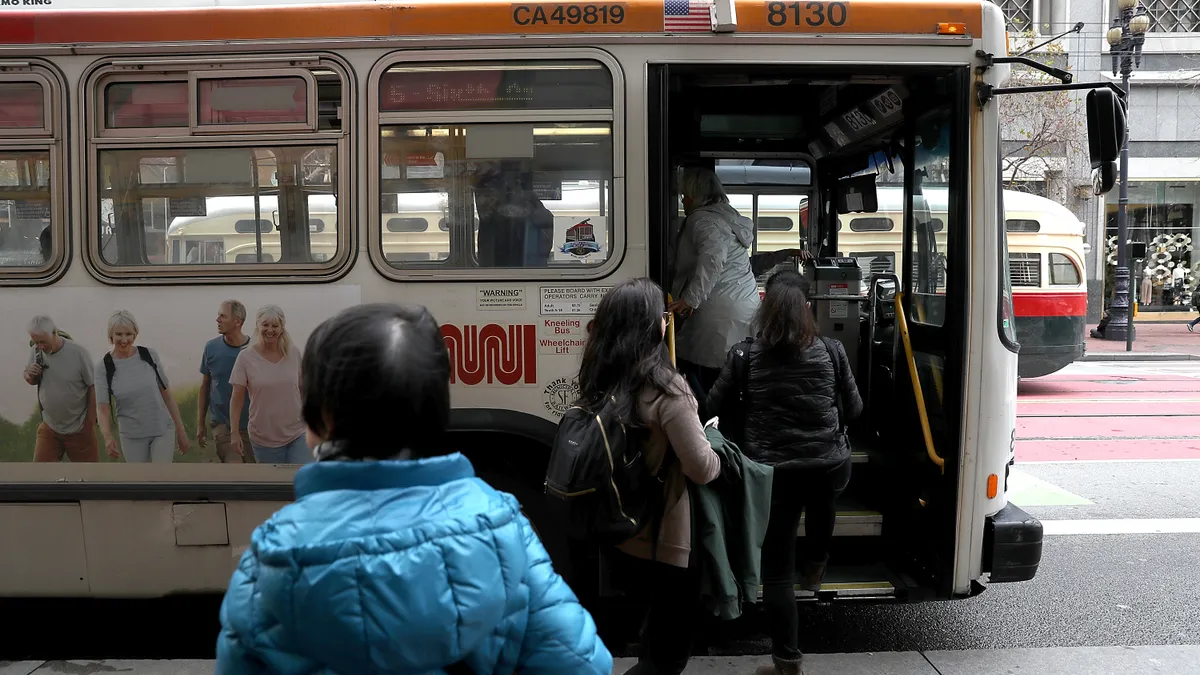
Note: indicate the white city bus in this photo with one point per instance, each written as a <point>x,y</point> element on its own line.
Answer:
<point>179,157</point>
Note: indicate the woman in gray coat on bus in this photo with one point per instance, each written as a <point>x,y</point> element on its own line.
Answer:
<point>713,287</point>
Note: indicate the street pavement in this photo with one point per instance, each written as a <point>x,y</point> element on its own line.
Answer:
<point>1075,661</point>
<point>1152,340</point>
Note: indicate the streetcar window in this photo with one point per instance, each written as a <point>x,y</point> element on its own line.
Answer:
<point>146,105</point>
<point>246,225</point>
<point>253,257</point>
<point>22,106</point>
<point>1063,270</point>
<point>265,201</point>
<point>1025,269</point>
<point>871,225</point>
<point>407,225</point>
<point>506,192</point>
<point>1022,225</point>
<point>775,224</point>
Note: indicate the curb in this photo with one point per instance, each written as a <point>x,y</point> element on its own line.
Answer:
<point>1137,356</point>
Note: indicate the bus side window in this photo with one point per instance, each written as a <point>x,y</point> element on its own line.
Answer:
<point>32,241</point>
<point>249,175</point>
<point>493,189</point>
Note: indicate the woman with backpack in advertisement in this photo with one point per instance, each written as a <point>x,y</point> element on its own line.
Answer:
<point>132,377</point>
<point>785,396</point>
<point>626,370</point>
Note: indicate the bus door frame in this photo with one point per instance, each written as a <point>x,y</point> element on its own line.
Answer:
<point>947,341</point>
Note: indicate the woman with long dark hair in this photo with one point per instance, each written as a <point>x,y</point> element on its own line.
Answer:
<point>395,557</point>
<point>791,393</point>
<point>626,360</point>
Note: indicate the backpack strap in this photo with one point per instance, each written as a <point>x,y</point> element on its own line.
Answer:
<point>837,384</point>
<point>110,369</point>
<point>144,352</point>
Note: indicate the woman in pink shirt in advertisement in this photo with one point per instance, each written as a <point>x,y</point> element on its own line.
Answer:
<point>270,371</point>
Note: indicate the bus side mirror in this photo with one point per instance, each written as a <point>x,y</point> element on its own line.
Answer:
<point>1103,178</point>
<point>1106,126</point>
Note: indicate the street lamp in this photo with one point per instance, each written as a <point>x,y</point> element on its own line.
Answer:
<point>1125,39</point>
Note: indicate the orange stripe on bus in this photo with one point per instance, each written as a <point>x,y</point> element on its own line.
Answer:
<point>474,17</point>
<point>919,17</point>
<point>478,17</point>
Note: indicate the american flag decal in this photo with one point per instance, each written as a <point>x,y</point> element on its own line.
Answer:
<point>687,16</point>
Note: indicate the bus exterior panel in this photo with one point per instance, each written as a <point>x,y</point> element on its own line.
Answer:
<point>514,332</point>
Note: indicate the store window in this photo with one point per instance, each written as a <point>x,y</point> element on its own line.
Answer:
<point>1162,215</point>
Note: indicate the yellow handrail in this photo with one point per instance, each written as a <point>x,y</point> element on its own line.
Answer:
<point>916,382</point>
<point>671,331</point>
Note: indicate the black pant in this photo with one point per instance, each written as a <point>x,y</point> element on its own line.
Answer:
<point>792,490</point>
<point>673,615</point>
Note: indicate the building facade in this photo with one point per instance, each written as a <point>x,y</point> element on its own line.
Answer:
<point>1164,148</point>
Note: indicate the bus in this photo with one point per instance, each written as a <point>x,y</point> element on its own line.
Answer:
<point>504,164</point>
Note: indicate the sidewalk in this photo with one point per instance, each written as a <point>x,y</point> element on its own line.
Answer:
<point>1154,341</point>
<point>1167,660</point>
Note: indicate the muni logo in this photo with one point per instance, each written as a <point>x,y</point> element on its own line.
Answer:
<point>491,354</point>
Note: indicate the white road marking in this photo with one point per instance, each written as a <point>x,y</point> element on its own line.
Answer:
<point>1025,462</point>
<point>1122,526</point>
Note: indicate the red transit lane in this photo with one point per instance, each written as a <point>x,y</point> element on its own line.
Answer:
<point>1109,416</point>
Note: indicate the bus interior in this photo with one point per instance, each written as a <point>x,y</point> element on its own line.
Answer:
<point>826,138</point>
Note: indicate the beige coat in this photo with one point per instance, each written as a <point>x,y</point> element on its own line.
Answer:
<point>674,426</point>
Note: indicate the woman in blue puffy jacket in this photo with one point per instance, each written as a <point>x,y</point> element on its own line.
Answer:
<point>395,558</point>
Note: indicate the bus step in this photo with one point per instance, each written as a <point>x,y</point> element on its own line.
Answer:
<point>853,520</point>
<point>860,582</point>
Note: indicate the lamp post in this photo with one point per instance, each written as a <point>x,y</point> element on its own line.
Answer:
<point>1125,39</point>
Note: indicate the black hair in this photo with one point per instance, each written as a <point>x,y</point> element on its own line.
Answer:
<point>625,352</point>
<point>784,320</point>
<point>376,381</point>
<point>45,244</point>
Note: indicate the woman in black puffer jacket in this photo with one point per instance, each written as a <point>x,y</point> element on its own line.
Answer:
<point>793,379</point>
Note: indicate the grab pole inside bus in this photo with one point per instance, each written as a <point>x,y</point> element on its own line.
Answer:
<point>671,330</point>
<point>916,383</point>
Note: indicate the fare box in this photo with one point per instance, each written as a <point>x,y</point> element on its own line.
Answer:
<point>839,309</point>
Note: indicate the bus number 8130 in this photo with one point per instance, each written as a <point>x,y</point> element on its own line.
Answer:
<point>814,14</point>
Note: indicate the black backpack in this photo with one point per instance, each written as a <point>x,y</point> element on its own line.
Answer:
<point>597,481</point>
<point>110,368</point>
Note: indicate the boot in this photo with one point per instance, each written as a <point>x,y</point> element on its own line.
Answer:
<point>812,575</point>
<point>781,667</point>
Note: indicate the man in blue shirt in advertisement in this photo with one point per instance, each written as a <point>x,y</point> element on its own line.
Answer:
<point>215,390</point>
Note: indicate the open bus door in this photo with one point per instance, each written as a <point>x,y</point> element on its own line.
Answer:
<point>896,525</point>
<point>931,320</point>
